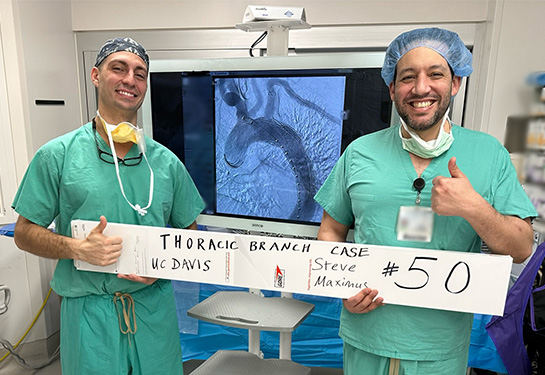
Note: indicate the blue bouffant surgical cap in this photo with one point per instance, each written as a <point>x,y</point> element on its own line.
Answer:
<point>446,43</point>
<point>121,44</point>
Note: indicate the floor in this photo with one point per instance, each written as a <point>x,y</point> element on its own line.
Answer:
<point>10,367</point>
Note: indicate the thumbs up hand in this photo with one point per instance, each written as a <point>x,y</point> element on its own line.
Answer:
<point>454,195</point>
<point>455,172</point>
<point>97,248</point>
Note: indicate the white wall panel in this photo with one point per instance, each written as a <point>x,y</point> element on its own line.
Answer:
<point>88,15</point>
<point>521,50</point>
<point>13,274</point>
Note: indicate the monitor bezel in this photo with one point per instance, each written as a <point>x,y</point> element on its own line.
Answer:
<point>260,226</point>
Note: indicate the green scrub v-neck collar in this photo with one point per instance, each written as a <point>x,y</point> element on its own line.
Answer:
<point>408,164</point>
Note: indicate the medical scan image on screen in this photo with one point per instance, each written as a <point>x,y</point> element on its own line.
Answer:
<point>260,143</point>
<point>277,139</point>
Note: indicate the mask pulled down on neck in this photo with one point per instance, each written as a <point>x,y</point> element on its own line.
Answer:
<point>125,135</point>
<point>427,149</point>
<point>124,132</point>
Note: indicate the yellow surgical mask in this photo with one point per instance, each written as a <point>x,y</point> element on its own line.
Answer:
<point>121,133</point>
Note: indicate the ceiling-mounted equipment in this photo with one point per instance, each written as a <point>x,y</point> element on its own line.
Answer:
<point>277,21</point>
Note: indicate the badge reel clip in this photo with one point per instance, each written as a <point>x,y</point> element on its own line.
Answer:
<point>415,223</point>
<point>418,185</point>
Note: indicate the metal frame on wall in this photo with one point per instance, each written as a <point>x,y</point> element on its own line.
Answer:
<point>223,43</point>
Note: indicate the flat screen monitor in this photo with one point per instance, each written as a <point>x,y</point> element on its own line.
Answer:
<point>259,136</point>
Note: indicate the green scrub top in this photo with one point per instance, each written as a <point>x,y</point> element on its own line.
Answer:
<point>367,186</point>
<point>67,180</point>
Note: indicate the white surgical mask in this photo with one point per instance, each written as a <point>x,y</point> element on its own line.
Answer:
<point>142,148</point>
<point>427,149</point>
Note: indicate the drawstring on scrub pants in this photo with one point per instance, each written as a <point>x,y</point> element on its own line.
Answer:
<point>127,304</point>
<point>394,366</point>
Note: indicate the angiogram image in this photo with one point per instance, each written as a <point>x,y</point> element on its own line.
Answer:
<point>277,139</point>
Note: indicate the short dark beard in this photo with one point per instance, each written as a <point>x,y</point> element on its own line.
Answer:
<point>437,116</point>
<point>416,126</point>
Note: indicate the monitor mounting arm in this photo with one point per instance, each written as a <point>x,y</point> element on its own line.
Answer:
<point>277,21</point>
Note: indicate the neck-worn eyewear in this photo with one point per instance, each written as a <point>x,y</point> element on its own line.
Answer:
<point>109,158</point>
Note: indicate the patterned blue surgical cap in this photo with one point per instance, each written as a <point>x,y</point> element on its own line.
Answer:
<point>121,44</point>
<point>446,43</point>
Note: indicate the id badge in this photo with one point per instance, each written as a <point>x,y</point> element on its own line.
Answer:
<point>415,223</point>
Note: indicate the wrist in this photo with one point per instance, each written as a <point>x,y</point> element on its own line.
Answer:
<point>477,209</point>
<point>72,248</point>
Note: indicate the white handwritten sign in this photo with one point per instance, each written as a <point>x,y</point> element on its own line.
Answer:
<point>446,280</point>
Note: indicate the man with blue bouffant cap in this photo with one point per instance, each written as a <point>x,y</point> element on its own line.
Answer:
<point>426,183</point>
<point>108,170</point>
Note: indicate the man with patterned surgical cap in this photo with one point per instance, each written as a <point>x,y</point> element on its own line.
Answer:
<point>107,170</point>
<point>426,183</point>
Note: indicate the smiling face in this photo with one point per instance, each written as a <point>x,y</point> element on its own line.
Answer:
<point>422,88</point>
<point>121,80</point>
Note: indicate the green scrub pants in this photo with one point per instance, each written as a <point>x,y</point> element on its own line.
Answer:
<point>92,342</point>
<point>359,362</point>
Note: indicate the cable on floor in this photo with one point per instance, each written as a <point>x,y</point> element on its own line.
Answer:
<point>21,361</point>
<point>11,348</point>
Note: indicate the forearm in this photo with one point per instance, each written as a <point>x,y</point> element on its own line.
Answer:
<point>325,235</point>
<point>331,230</point>
<point>193,226</point>
<point>96,248</point>
<point>507,235</point>
<point>42,242</point>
